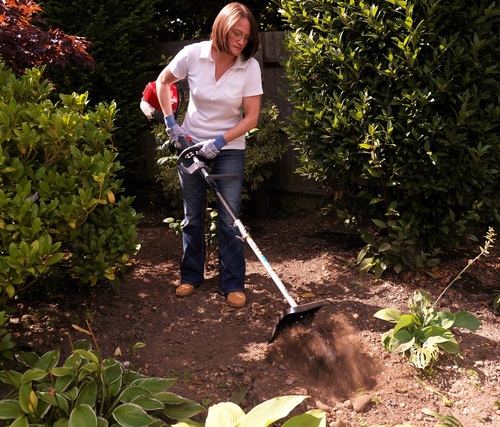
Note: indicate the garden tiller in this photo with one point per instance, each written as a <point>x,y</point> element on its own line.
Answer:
<point>295,315</point>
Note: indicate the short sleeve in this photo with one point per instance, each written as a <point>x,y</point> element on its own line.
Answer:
<point>253,79</point>
<point>179,65</point>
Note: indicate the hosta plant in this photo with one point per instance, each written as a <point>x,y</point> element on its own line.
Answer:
<point>424,332</point>
<point>228,414</point>
<point>87,390</point>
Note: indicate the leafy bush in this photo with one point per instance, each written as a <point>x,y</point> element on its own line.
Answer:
<point>60,215</point>
<point>396,116</point>
<point>265,148</point>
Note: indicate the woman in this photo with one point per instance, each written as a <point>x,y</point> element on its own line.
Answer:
<point>223,78</point>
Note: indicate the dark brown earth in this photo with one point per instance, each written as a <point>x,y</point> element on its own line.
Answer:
<point>219,353</point>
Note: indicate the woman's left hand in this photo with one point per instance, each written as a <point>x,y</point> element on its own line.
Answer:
<point>211,147</point>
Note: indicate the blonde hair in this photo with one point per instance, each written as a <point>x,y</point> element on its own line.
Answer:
<point>225,21</point>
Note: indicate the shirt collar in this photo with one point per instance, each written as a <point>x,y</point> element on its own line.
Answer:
<point>206,52</point>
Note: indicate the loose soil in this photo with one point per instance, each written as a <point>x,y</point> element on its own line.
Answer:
<point>219,353</point>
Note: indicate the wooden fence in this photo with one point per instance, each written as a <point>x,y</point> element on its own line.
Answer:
<point>270,55</point>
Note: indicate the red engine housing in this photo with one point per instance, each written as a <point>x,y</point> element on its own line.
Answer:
<point>151,97</point>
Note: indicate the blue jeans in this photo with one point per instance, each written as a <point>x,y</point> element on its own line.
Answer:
<point>231,254</point>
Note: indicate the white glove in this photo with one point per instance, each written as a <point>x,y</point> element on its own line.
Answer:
<point>211,147</point>
<point>173,129</point>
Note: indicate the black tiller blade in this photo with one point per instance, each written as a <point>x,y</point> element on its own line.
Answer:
<point>295,316</point>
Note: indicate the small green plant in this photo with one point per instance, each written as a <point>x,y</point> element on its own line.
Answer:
<point>421,334</point>
<point>424,332</point>
<point>87,390</point>
<point>228,414</point>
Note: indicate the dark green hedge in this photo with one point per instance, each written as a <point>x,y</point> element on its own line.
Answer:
<point>397,115</point>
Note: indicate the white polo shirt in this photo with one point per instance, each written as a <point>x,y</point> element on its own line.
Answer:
<point>215,106</point>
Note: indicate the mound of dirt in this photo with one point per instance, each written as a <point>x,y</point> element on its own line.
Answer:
<point>330,353</point>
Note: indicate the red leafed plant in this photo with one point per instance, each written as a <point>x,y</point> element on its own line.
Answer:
<point>23,44</point>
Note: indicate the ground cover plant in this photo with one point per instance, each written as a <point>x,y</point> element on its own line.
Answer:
<point>88,389</point>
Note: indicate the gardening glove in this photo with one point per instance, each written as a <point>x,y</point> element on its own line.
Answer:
<point>173,129</point>
<point>211,147</point>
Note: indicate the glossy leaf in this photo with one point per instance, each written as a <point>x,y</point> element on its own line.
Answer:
<point>314,418</point>
<point>466,320</point>
<point>270,411</point>
<point>389,314</point>
<point>21,422</point>
<point>10,409</point>
<point>154,385</point>
<point>225,414</point>
<point>177,407</point>
<point>82,416</point>
<point>130,415</point>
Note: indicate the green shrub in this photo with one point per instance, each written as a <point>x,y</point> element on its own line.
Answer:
<point>60,214</point>
<point>265,147</point>
<point>396,116</point>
